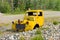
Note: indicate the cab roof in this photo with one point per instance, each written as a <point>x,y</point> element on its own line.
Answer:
<point>34,10</point>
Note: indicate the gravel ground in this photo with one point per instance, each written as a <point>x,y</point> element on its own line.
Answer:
<point>53,33</point>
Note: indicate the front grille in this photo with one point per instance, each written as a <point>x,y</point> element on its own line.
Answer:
<point>20,26</point>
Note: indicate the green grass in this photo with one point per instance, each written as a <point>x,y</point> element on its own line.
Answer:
<point>52,19</point>
<point>38,31</point>
<point>1,32</point>
<point>59,21</point>
<point>15,13</point>
<point>22,38</point>
<point>38,35</point>
<point>55,22</point>
<point>45,28</point>
<point>3,24</point>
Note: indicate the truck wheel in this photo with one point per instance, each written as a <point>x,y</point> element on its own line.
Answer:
<point>36,26</point>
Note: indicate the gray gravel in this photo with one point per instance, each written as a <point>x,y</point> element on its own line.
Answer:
<point>17,35</point>
<point>53,33</point>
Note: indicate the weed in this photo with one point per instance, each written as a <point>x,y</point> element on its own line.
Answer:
<point>59,22</point>
<point>0,32</point>
<point>55,22</point>
<point>45,28</point>
<point>38,31</point>
<point>3,24</point>
<point>37,37</point>
<point>22,38</point>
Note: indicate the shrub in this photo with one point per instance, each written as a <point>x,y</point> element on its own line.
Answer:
<point>17,10</point>
<point>37,37</point>
<point>5,8</point>
<point>55,22</point>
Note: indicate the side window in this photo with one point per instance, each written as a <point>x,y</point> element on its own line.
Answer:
<point>30,13</point>
<point>34,14</point>
<point>40,14</point>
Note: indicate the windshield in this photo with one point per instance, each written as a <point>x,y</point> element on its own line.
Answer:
<point>31,13</point>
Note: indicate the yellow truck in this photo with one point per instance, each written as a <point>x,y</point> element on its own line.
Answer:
<point>32,19</point>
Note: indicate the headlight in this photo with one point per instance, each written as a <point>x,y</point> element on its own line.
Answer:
<point>27,22</point>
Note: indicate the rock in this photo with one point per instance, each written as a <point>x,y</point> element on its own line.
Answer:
<point>51,38</point>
